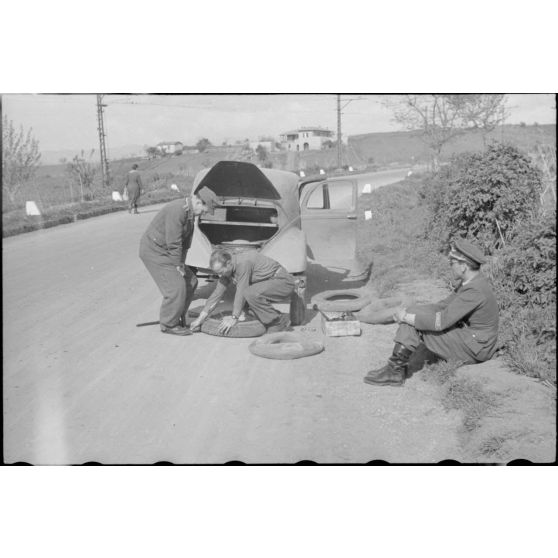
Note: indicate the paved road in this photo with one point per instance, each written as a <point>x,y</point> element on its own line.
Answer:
<point>82,383</point>
<point>380,178</point>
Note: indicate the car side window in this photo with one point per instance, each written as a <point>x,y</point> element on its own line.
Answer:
<point>316,198</point>
<point>340,195</point>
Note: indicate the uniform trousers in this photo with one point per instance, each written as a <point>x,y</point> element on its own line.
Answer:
<point>449,344</point>
<point>133,196</point>
<point>259,296</point>
<point>177,291</point>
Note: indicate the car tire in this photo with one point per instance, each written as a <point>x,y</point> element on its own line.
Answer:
<point>284,346</point>
<point>250,327</point>
<point>381,311</point>
<point>348,300</point>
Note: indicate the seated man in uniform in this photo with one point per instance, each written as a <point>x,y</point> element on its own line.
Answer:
<point>259,281</point>
<point>462,327</point>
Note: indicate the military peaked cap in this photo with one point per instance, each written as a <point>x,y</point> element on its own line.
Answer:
<point>466,252</point>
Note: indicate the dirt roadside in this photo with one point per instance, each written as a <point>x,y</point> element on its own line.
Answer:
<point>82,383</point>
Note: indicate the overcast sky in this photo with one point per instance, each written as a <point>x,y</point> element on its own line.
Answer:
<point>70,121</point>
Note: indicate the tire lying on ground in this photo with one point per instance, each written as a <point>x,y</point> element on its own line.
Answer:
<point>380,311</point>
<point>250,327</point>
<point>284,346</point>
<point>347,300</point>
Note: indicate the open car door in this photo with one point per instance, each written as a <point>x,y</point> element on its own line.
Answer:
<point>329,218</point>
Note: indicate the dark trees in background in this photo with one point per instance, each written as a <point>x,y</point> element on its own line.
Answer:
<point>440,118</point>
<point>203,144</point>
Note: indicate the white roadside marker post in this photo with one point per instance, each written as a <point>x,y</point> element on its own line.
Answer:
<point>31,208</point>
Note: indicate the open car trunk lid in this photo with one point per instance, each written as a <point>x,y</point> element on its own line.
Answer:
<point>238,179</point>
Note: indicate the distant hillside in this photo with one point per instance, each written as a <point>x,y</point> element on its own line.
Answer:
<point>49,157</point>
<point>406,147</point>
<point>379,149</point>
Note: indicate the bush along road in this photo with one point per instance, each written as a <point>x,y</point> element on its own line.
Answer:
<point>408,238</point>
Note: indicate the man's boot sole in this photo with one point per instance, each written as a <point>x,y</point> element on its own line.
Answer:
<point>373,382</point>
<point>180,334</point>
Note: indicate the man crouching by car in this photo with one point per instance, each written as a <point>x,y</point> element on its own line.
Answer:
<point>259,281</point>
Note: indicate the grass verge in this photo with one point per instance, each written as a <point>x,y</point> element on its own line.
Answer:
<point>18,222</point>
<point>394,240</point>
<point>462,394</point>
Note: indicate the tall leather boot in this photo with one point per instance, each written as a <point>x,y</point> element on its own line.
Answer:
<point>394,372</point>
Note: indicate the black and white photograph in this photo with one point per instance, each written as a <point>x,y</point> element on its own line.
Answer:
<point>279,278</point>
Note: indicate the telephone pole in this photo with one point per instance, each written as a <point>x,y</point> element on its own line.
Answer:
<point>102,146</point>
<point>339,143</point>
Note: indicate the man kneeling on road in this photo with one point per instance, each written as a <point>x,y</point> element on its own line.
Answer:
<point>259,281</point>
<point>462,327</point>
<point>163,249</point>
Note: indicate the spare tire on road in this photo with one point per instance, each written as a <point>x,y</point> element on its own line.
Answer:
<point>250,327</point>
<point>347,300</point>
<point>380,311</point>
<point>284,346</point>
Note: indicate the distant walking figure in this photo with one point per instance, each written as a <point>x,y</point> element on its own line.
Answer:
<point>134,186</point>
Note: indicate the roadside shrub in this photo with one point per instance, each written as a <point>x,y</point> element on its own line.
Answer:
<point>523,275</point>
<point>494,199</point>
<point>83,173</point>
<point>524,271</point>
<point>482,195</point>
<point>529,338</point>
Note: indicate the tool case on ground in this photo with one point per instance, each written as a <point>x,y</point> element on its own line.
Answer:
<point>339,324</point>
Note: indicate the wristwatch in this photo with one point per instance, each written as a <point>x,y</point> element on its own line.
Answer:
<point>235,317</point>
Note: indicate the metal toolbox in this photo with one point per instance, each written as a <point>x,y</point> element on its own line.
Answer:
<point>340,324</point>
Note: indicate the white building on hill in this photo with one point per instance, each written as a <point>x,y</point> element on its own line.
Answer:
<point>306,138</point>
<point>169,147</point>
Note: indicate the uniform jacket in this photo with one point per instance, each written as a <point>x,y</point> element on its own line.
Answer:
<point>172,229</point>
<point>248,268</point>
<point>473,308</point>
<point>133,181</point>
